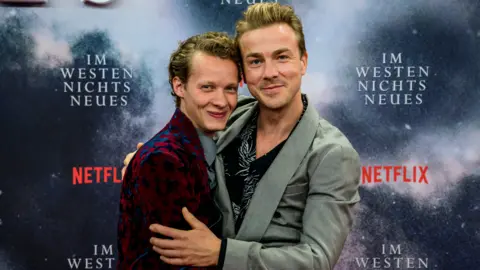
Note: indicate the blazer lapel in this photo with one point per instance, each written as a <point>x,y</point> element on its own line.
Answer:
<point>271,186</point>
<point>221,193</point>
<point>222,198</point>
<point>227,136</point>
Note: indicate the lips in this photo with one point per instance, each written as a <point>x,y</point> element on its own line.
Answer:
<point>272,87</point>
<point>217,115</point>
<point>272,90</point>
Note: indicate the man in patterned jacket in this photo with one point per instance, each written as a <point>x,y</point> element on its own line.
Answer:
<point>173,169</point>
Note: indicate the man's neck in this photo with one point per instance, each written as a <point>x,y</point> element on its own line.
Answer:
<point>279,123</point>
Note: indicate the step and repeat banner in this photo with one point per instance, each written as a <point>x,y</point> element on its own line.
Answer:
<point>81,85</point>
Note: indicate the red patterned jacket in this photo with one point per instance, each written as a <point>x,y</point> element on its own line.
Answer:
<point>166,174</point>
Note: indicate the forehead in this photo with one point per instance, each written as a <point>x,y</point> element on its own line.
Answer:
<point>212,68</point>
<point>268,39</point>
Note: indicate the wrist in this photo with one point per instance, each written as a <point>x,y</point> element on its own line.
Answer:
<point>216,251</point>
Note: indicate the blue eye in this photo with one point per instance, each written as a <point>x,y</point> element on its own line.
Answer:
<point>255,62</point>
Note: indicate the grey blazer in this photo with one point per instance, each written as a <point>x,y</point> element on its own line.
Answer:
<point>301,211</point>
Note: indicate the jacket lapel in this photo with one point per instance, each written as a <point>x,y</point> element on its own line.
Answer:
<point>221,193</point>
<point>227,136</point>
<point>222,198</point>
<point>271,186</point>
<point>183,131</point>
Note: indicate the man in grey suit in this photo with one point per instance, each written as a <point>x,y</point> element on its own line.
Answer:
<point>287,179</point>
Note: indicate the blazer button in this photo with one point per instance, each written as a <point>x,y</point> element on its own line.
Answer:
<point>277,215</point>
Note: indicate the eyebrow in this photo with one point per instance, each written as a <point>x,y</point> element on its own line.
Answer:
<point>256,55</point>
<point>259,55</point>
<point>206,82</point>
<point>280,51</point>
<point>213,83</point>
<point>234,85</point>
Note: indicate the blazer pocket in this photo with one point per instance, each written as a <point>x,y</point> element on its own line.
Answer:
<point>296,189</point>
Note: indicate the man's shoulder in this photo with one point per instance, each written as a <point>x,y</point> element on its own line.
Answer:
<point>330,138</point>
<point>331,133</point>
<point>244,104</point>
<point>163,147</point>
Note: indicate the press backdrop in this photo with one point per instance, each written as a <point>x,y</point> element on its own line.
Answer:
<point>400,78</point>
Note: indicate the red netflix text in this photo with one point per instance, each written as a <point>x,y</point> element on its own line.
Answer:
<point>96,175</point>
<point>387,174</point>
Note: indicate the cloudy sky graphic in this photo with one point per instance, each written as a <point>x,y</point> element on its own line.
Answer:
<point>438,221</point>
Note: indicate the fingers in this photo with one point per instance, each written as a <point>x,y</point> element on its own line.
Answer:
<point>170,253</point>
<point>123,171</point>
<point>166,244</point>
<point>192,220</point>
<point>128,158</point>
<point>174,261</point>
<point>167,231</point>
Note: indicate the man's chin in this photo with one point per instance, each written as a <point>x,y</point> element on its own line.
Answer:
<point>213,128</point>
<point>273,104</point>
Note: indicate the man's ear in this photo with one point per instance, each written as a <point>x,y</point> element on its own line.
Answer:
<point>178,87</point>
<point>304,62</point>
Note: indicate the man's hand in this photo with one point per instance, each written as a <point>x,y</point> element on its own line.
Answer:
<point>196,247</point>
<point>128,158</point>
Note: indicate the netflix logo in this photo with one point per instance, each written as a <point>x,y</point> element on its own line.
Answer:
<point>387,174</point>
<point>96,175</point>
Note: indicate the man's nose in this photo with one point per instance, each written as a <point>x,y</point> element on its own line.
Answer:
<point>220,99</point>
<point>271,70</point>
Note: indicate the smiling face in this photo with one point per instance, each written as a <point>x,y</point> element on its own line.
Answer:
<point>210,94</point>
<point>273,65</point>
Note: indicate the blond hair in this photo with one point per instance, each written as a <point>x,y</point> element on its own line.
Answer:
<point>265,14</point>
<point>212,43</point>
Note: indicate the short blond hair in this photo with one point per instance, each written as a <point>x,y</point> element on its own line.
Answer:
<point>265,14</point>
<point>217,44</point>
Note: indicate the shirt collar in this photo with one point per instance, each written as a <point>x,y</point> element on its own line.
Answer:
<point>209,147</point>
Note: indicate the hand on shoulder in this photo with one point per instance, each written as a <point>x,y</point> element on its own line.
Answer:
<point>128,158</point>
